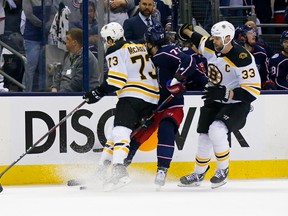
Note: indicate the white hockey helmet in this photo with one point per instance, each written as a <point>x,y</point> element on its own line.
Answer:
<point>112,30</point>
<point>223,29</point>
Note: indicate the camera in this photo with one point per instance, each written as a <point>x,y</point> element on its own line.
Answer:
<point>54,67</point>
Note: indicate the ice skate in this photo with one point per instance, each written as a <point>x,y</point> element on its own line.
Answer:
<point>102,171</point>
<point>118,179</point>
<point>127,162</point>
<point>160,176</point>
<point>193,179</point>
<point>220,178</point>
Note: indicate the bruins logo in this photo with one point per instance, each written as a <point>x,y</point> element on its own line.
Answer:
<point>243,55</point>
<point>214,74</point>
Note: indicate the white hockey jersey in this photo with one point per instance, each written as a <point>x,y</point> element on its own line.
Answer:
<point>132,72</point>
<point>235,69</point>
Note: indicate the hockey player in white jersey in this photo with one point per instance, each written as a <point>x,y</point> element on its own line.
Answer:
<point>234,84</point>
<point>133,77</point>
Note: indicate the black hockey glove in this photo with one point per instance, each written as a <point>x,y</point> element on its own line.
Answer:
<point>93,96</point>
<point>183,36</point>
<point>217,92</point>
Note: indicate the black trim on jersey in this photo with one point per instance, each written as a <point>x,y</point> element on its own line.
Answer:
<point>196,38</point>
<point>117,78</point>
<point>116,46</point>
<point>105,88</point>
<point>239,56</point>
<point>243,95</point>
<point>142,87</point>
<point>209,44</point>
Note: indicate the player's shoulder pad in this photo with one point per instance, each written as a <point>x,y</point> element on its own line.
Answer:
<point>118,45</point>
<point>239,56</point>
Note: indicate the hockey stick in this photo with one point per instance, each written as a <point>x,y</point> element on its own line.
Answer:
<point>201,30</point>
<point>36,143</point>
<point>166,101</point>
<point>169,98</point>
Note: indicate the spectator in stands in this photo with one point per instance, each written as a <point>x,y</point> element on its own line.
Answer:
<point>224,12</point>
<point>13,17</point>
<point>135,27</point>
<point>278,64</point>
<point>246,36</point>
<point>2,16</point>
<point>236,12</point>
<point>162,11</point>
<point>11,63</point>
<point>279,7</point>
<point>74,7</point>
<point>70,78</point>
<point>92,24</point>
<point>263,10</point>
<point>118,10</point>
<point>35,37</point>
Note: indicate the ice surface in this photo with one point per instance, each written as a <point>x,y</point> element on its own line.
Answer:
<point>237,197</point>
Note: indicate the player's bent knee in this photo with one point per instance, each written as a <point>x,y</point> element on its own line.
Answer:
<point>121,133</point>
<point>217,130</point>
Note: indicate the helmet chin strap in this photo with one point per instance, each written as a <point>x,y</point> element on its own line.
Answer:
<point>224,45</point>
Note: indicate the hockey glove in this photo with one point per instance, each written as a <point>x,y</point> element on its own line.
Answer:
<point>93,96</point>
<point>217,92</point>
<point>175,88</point>
<point>269,85</point>
<point>183,36</point>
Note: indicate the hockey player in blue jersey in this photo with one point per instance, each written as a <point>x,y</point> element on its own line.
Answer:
<point>247,37</point>
<point>174,69</point>
<point>278,64</point>
<point>193,83</point>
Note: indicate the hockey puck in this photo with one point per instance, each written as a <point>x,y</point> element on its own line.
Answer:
<point>83,187</point>
<point>1,188</point>
<point>74,182</point>
<point>98,150</point>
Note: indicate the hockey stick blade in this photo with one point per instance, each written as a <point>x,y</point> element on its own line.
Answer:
<point>98,150</point>
<point>43,137</point>
<point>201,31</point>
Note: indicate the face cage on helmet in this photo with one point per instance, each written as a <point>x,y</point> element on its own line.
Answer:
<point>284,36</point>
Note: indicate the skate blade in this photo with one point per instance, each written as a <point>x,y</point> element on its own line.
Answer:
<point>195,184</point>
<point>110,186</point>
<point>217,185</point>
<point>159,186</point>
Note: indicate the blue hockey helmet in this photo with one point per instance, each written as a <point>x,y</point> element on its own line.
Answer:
<point>155,35</point>
<point>241,31</point>
<point>284,36</point>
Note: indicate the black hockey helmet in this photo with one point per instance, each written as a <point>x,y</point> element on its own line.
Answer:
<point>241,31</point>
<point>155,35</point>
<point>284,36</point>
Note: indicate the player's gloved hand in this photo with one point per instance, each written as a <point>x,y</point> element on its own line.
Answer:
<point>93,96</point>
<point>183,36</point>
<point>175,87</point>
<point>216,92</point>
<point>269,85</point>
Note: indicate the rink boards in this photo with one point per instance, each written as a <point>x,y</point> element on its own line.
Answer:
<point>259,150</point>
